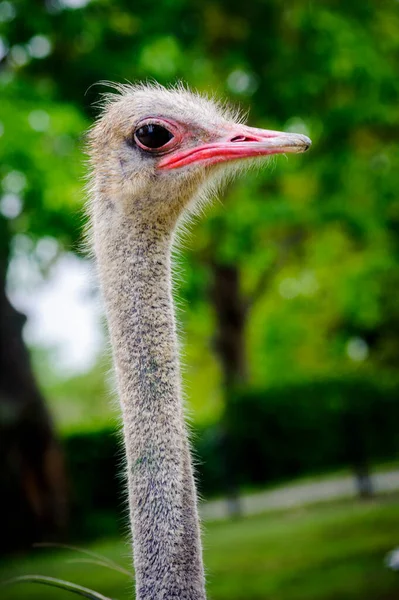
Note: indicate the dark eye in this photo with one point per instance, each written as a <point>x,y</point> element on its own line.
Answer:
<point>152,136</point>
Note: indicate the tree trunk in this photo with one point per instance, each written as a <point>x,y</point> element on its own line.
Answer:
<point>32,474</point>
<point>231,314</point>
<point>355,434</point>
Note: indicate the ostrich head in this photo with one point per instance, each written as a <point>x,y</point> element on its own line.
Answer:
<point>156,150</point>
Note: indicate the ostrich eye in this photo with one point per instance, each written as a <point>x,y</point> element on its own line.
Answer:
<point>152,136</point>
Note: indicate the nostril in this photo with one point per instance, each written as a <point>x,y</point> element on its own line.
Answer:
<point>242,138</point>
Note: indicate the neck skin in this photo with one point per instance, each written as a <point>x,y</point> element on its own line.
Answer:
<point>134,269</point>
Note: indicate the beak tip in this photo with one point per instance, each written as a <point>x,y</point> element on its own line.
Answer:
<point>305,143</point>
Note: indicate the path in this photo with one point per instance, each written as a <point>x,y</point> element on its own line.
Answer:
<point>299,494</point>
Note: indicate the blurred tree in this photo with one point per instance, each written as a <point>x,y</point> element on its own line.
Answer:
<point>329,70</point>
<point>38,189</point>
<point>32,471</point>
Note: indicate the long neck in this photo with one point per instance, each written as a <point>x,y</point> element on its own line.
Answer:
<point>134,270</point>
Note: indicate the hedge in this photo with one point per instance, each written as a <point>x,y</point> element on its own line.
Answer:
<point>266,436</point>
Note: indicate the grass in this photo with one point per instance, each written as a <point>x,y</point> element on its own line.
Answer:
<point>323,552</point>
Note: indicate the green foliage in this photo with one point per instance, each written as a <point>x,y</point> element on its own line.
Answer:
<point>323,228</point>
<point>95,466</point>
<point>40,144</point>
<point>83,402</point>
<point>291,429</point>
<point>320,552</point>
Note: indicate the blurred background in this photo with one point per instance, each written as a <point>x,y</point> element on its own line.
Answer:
<point>287,296</point>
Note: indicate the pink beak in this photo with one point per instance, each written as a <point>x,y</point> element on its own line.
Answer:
<point>241,142</point>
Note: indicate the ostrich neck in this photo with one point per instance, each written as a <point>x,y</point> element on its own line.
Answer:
<point>135,274</point>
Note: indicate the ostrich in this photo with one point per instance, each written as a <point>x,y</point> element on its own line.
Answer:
<point>155,155</point>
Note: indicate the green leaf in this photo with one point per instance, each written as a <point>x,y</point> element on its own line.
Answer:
<point>58,583</point>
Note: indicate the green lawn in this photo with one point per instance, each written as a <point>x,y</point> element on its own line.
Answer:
<point>333,552</point>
